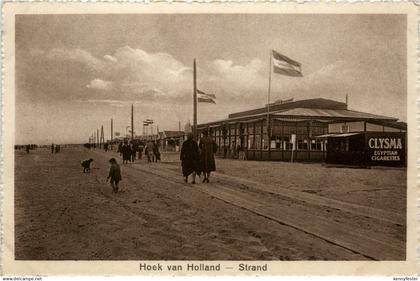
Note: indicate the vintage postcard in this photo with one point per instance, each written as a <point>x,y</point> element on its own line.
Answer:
<point>209,139</point>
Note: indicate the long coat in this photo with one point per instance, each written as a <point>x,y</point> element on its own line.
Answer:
<point>190,158</point>
<point>126,152</point>
<point>207,147</point>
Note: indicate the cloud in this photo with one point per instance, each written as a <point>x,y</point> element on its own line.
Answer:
<point>110,58</point>
<point>75,55</point>
<point>237,80</point>
<point>100,84</point>
<point>135,74</point>
<point>130,74</point>
<point>158,70</point>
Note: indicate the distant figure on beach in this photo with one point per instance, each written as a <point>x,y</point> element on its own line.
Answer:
<point>207,149</point>
<point>57,148</point>
<point>27,148</point>
<point>133,152</point>
<point>149,151</point>
<point>86,165</point>
<point>119,149</point>
<point>156,152</point>
<point>106,147</point>
<point>114,174</point>
<point>140,149</point>
<point>126,153</point>
<point>190,158</point>
<point>52,148</point>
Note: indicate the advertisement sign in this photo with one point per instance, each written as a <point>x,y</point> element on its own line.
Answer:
<point>345,128</point>
<point>387,148</point>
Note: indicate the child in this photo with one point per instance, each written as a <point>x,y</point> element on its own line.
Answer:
<point>86,165</point>
<point>114,174</point>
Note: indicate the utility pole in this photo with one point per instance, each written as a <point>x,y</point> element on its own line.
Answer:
<point>102,140</point>
<point>195,103</point>
<point>112,129</point>
<point>97,137</point>
<point>132,122</point>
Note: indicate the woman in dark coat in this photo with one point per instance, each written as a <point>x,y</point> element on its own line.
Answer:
<point>126,153</point>
<point>190,158</point>
<point>207,147</point>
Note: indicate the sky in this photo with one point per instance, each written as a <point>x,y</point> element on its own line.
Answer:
<point>76,72</point>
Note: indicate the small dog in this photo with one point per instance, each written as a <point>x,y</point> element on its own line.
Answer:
<point>86,165</point>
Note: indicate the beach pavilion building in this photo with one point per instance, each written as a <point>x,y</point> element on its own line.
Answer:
<point>300,131</point>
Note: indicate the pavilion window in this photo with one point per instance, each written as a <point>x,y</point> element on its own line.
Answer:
<point>316,144</point>
<point>289,128</point>
<point>278,141</point>
<point>246,136</point>
<point>318,130</point>
<point>265,141</point>
<point>302,144</point>
<point>287,145</point>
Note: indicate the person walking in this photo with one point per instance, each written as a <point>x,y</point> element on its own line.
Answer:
<point>190,158</point>
<point>133,152</point>
<point>52,148</point>
<point>119,149</point>
<point>126,153</point>
<point>156,152</point>
<point>114,174</point>
<point>149,149</point>
<point>207,149</point>
<point>140,149</point>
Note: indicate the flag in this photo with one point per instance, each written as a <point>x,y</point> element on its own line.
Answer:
<point>205,94</point>
<point>145,123</point>
<point>204,97</point>
<point>149,121</point>
<point>286,66</point>
<point>117,134</point>
<point>208,100</point>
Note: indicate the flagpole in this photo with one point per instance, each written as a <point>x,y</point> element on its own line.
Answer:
<point>132,122</point>
<point>112,129</point>
<point>102,140</point>
<point>268,108</point>
<point>195,102</point>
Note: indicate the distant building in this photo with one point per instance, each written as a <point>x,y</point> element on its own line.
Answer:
<point>188,128</point>
<point>171,140</point>
<point>296,127</point>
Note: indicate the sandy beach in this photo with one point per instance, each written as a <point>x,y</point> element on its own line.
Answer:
<point>63,214</point>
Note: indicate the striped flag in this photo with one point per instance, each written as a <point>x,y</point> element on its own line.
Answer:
<point>204,97</point>
<point>286,66</point>
<point>206,100</point>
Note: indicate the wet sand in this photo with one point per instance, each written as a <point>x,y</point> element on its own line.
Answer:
<point>63,214</point>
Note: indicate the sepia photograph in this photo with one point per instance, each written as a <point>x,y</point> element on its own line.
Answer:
<point>211,137</point>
